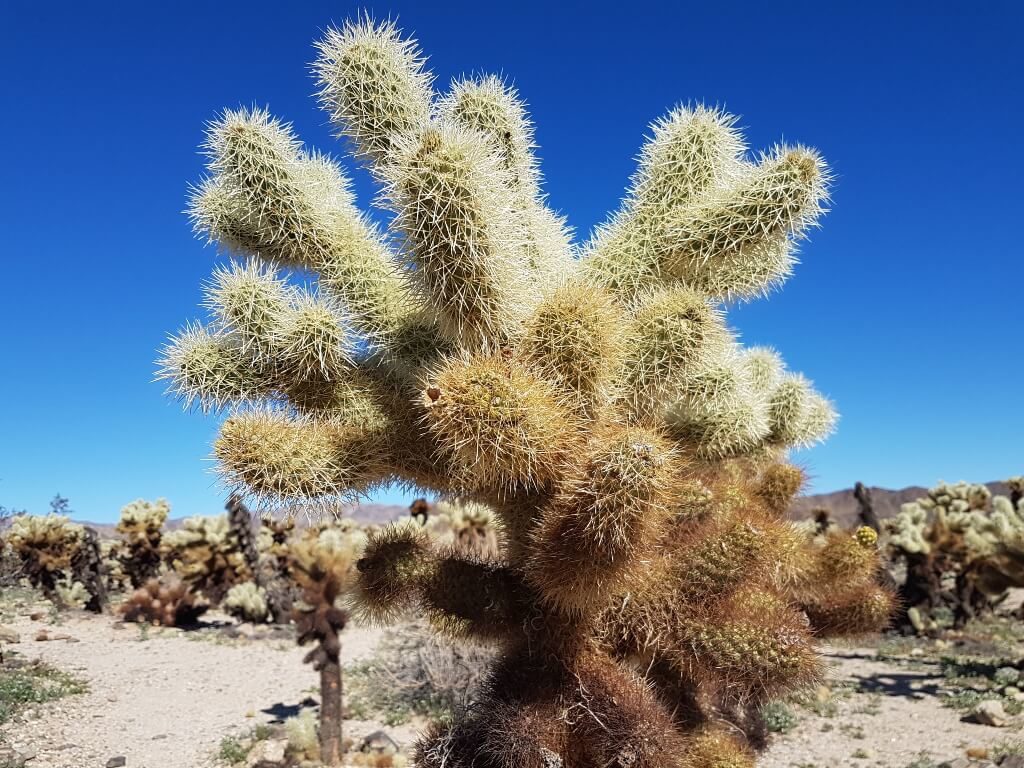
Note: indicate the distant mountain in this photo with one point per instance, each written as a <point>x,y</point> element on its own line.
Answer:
<point>364,513</point>
<point>843,507</point>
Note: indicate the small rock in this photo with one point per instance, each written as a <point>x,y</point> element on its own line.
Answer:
<point>1011,691</point>
<point>73,640</point>
<point>42,635</point>
<point>8,635</point>
<point>991,712</point>
<point>160,736</point>
<point>977,753</point>
<point>379,743</point>
<point>37,615</point>
<point>1012,761</point>
<point>116,762</point>
<point>268,751</point>
<point>917,652</point>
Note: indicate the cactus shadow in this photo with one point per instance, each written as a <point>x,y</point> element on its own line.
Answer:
<point>280,711</point>
<point>908,685</point>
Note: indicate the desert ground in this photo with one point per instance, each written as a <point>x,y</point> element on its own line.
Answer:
<point>216,696</point>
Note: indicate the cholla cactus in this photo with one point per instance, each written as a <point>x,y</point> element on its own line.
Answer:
<point>962,548</point>
<point>141,526</point>
<point>47,547</point>
<point>72,594</point>
<point>167,601</point>
<point>205,552</point>
<point>591,395</point>
<point>468,526</point>
<point>246,602</point>
<point>114,552</point>
<point>322,564</point>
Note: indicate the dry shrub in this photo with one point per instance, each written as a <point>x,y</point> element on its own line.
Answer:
<point>416,673</point>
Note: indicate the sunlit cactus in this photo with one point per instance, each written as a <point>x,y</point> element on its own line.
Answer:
<point>963,534</point>
<point>141,527</point>
<point>591,395</point>
<point>246,602</point>
<point>51,549</point>
<point>205,552</point>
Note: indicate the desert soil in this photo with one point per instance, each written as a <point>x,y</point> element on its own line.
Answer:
<point>166,698</point>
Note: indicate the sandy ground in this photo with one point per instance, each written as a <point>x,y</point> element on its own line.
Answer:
<point>165,701</point>
<point>166,698</point>
<point>887,716</point>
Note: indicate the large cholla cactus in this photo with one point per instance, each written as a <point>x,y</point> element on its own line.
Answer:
<point>141,526</point>
<point>591,395</point>
<point>962,548</point>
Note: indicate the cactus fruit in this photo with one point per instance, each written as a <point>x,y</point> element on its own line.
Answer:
<point>141,527</point>
<point>592,397</point>
<point>167,601</point>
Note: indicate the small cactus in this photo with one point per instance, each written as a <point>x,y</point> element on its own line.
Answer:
<point>246,602</point>
<point>322,563</point>
<point>167,601</point>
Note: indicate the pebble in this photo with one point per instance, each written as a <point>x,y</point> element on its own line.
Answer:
<point>116,762</point>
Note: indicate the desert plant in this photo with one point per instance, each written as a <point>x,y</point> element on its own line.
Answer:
<point>468,526</point>
<point>268,566</point>
<point>592,397</point>
<point>46,546</point>
<point>206,554</point>
<point>165,601</point>
<point>246,602</point>
<point>141,528</point>
<point>10,563</point>
<point>962,549</point>
<point>322,565</point>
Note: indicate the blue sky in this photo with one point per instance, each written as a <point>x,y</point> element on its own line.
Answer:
<point>907,308</point>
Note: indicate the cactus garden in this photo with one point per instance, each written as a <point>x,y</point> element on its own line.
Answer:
<point>488,486</point>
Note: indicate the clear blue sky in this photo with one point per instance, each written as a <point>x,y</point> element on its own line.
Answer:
<point>907,309</point>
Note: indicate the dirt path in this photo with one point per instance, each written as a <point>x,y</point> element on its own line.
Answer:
<point>880,714</point>
<point>167,700</point>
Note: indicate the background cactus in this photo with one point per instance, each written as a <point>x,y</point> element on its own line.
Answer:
<point>141,527</point>
<point>592,396</point>
<point>166,601</point>
<point>55,552</point>
<point>246,602</point>
<point>962,548</point>
<point>207,555</point>
<point>322,564</point>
